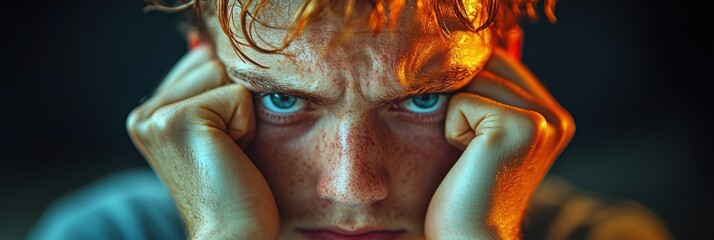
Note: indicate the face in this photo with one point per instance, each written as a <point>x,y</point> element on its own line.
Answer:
<point>350,124</point>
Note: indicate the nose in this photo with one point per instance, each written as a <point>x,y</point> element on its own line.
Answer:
<point>354,175</point>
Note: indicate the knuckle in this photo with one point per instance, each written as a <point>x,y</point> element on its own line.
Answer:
<point>536,117</point>
<point>166,119</point>
<point>462,102</point>
<point>561,121</point>
<point>459,98</point>
<point>531,122</point>
<point>136,124</point>
<point>133,120</point>
<point>566,123</point>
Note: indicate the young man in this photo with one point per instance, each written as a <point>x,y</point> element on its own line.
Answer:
<point>349,120</point>
<point>319,130</point>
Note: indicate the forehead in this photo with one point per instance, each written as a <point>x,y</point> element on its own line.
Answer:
<point>328,54</point>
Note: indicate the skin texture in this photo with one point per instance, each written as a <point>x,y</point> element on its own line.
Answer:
<point>354,158</point>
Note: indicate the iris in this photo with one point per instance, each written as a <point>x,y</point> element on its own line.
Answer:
<point>282,101</point>
<point>426,100</point>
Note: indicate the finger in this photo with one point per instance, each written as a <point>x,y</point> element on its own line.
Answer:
<point>470,115</point>
<point>506,80</point>
<point>495,87</point>
<point>194,142</point>
<point>194,58</point>
<point>207,76</point>
<point>228,109</point>
<point>557,119</point>
<point>494,135</point>
<point>232,109</point>
<point>508,67</point>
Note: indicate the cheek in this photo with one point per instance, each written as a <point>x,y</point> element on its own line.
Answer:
<point>283,157</point>
<point>420,157</point>
<point>415,158</point>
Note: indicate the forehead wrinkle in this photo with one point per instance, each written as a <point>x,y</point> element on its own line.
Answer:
<point>455,76</point>
<point>425,80</point>
<point>438,68</point>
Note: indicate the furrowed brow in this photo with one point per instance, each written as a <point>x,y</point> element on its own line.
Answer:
<point>268,84</point>
<point>441,82</point>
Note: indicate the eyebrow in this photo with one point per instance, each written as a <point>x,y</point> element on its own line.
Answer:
<point>266,83</point>
<point>422,83</point>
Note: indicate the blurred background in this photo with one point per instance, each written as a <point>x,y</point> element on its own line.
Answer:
<point>631,73</point>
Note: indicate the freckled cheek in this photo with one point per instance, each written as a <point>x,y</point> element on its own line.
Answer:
<point>416,158</point>
<point>283,155</point>
<point>420,160</point>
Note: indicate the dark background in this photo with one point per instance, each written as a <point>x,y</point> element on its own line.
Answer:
<point>630,72</point>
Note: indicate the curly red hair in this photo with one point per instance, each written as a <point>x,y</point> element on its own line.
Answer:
<point>502,16</point>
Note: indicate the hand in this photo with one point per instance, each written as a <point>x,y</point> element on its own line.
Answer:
<point>190,132</point>
<point>511,130</point>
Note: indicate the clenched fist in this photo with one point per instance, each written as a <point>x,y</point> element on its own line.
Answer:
<point>191,132</point>
<point>511,130</point>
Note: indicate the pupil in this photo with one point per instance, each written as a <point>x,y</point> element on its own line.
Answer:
<point>426,100</point>
<point>282,100</point>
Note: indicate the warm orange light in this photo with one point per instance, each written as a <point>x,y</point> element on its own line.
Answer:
<point>470,50</point>
<point>460,53</point>
<point>472,9</point>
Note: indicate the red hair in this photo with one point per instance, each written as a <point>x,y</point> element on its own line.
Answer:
<point>502,16</point>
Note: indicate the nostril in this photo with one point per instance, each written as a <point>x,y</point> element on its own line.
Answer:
<point>353,190</point>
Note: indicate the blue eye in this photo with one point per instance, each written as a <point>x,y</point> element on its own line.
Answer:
<point>425,103</point>
<point>282,103</point>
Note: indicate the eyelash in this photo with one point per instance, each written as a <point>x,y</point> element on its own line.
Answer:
<point>433,117</point>
<point>280,118</point>
<point>283,118</point>
<point>277,118</point>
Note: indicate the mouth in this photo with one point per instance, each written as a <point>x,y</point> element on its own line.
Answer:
<point>341,234</point>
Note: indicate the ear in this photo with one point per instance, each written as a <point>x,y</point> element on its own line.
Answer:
<point>514,43</point>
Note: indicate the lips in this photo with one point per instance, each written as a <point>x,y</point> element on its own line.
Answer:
<point>338,234</point>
